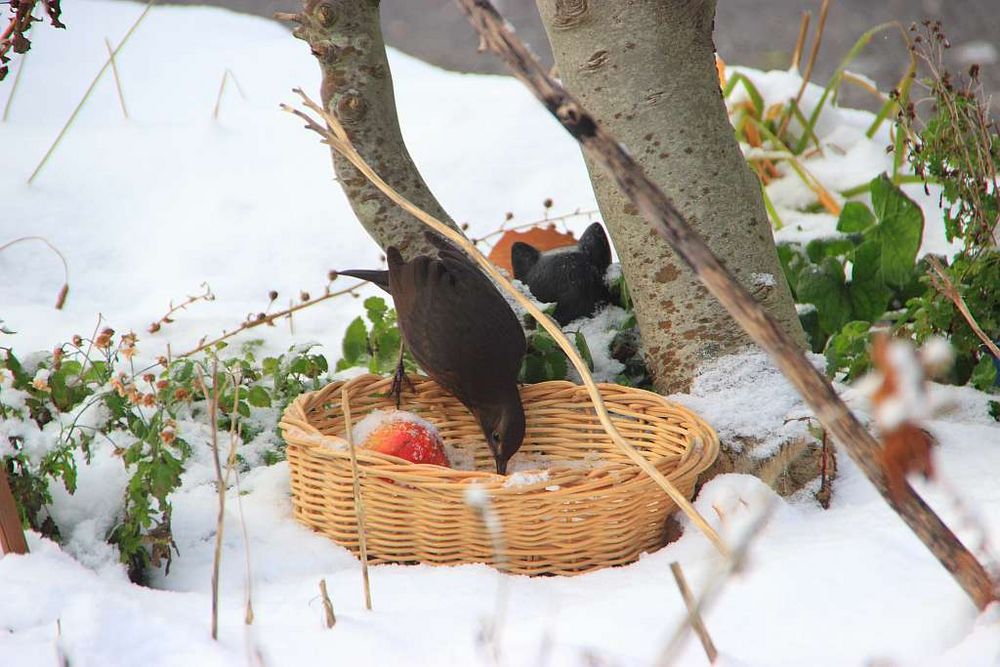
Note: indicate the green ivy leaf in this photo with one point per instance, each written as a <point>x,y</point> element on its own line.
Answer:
<point>899,231</point>
<point>817,249</point>
<point>854,217</point>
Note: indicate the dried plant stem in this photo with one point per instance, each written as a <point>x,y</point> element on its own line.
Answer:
<point>13,87</point>
<point>213,408</point>
<point>659,211</point>
<point>118,80</point>
<point>943,284</point>
<point>694,618</point>
<point>218,98</point>
<point>268,319</point>
<point>167,318</point>
<point>810,63</point>
<point>335,136</point>
<point>90,89</point>
<point>64,290</point>
<point>800,42</point>
<point>359,506</point>
<point>730,567</point>
<point>589,214</point>
<point>331,619</point>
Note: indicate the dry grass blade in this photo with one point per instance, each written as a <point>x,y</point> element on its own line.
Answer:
<point>731,567</point>
<point>212,399</point>
<point>118,81</point>
<point>336,137</point>
<point>13,88</point>
<point>801,41</point>
<point>810,63</point>
<point>943,284</point>
<point>359,505</point>
<point>90,89</point>
<point>694,618</point>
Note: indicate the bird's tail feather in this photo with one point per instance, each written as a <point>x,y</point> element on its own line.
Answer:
<point>378,278</point>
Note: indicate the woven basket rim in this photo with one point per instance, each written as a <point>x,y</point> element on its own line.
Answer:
<point>701,451</point>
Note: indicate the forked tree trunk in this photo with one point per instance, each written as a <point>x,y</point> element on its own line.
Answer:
<point>646,70</point>
<point>346,39</point>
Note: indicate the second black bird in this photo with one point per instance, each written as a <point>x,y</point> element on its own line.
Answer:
<point>463,334</point>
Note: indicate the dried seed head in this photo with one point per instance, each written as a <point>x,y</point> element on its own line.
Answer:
<point>272,295</point>
<point>547,203</point>
<point>508,216</point>
<point>304,296</point>
<point>77,341</point>
<point>162,384</point>
<point>331,275</point>
<point>153,328</point>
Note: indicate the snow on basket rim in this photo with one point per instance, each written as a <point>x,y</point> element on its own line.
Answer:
<point>572,520</point>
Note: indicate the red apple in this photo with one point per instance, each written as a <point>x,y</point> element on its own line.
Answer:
<point>414,441</point>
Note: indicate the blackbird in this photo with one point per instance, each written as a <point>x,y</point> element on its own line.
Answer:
<point>463,334</point>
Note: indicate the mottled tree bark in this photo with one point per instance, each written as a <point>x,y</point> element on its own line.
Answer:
<point>346,39</point>
<point>646,70</point>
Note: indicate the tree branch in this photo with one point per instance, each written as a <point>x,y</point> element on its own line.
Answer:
<point>665,219</point>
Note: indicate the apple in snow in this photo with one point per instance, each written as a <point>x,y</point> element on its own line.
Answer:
<point>401,434</point>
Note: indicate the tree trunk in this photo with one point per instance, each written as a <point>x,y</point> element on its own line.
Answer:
<point>646,70</point>
<point>346,39</point>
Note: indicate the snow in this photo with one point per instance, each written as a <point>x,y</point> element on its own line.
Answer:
<point>149,208</point>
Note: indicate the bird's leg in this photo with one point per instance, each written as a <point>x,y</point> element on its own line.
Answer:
<point>396,390</point>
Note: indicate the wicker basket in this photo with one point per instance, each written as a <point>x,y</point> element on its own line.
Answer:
<point>593,509</point>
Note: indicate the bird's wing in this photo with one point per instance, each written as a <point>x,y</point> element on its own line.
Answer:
<point>456,324</point>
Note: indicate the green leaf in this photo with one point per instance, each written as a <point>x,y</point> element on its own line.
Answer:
<point>581,345</point>
<point>792,263</point>
<point>868,292</point>
<point>823,286</point>
<point>817,249</point>
<point>243,408</point>
<point>984,375</point>
<point>555,365</point>
<point>259,397</point>
<point>854,217</point>
<point>376,308</point>
<point>355,341</point>
<point>847,350</point>
<point>900,230</point>
<point>809,319</point>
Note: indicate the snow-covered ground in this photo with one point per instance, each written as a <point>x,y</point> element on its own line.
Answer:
<point>146,209</point>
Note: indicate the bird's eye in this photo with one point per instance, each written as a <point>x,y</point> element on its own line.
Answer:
<point>496,435</point>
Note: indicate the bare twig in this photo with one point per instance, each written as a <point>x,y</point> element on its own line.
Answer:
<point>90,89</point>
<point>118,81</point>
<point>503,228</point>
<point>943,284</point>
<point>335,136</point>
<point>605,151</point>
<point>331,619</point>
<point>262,319</point>
<point>206,295</point>
<point>64,290</point>
<point>694,618</point>
<point>730,567</point>
<point>359,505</point>
<point>218,98</point>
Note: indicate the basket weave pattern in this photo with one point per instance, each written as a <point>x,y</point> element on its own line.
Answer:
<point>593,509</point>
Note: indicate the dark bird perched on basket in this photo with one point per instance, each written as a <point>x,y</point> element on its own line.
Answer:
<point>463,333</point>
<point>572,278</point>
